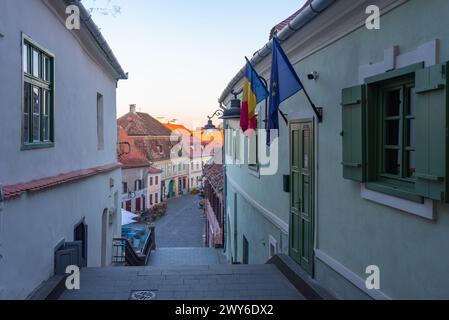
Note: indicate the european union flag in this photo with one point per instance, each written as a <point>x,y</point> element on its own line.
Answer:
<point>284,83</point>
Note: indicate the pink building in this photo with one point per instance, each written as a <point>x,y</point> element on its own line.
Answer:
<point>213,205</point>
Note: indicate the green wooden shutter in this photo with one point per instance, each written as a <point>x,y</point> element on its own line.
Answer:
<point>431,132</point>
<point>353,133</point>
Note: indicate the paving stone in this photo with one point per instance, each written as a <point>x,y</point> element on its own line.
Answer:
<point>182,225</point>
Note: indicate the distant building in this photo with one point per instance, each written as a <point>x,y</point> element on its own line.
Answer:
<point>214,205</point>
<point>59,170</point>
<point>134,174</point>
<point>154,140</point>
<point>154,186</point>
<point>197,161</point>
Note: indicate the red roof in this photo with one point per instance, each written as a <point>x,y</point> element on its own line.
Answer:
<point>135,158</point>
<point>277,28</point>
<point>177,127</point>
<point>154,148</point>
<point>214,174</point>
<point>154,170</point>
<point>16,190</point>
<point>142,124</point>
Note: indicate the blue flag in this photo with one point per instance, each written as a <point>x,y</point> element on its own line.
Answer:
<point>284,83</point>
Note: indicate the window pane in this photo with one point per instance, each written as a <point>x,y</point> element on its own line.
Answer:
<point>36,63</point>
<point>26,111</point>
<point>36,114</point>
<point>392,132</point>
<point>26,97</point>
<point>392,103</point>
<point>411,101</point>
<point>47,103</point>
<point>392,161</point>
<point>46,128</point>
<point>25,58</point>
<point>36,100</point>
<point>411,167</point>
<point>410,110</point>
<point>410,133</point>
<point>46,68</point>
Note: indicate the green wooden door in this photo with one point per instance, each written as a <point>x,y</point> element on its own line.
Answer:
<point>301,197</point>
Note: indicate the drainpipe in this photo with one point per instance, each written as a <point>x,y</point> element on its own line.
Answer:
<point>312,10</point>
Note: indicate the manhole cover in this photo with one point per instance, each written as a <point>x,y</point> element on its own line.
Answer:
<point>142,295</point>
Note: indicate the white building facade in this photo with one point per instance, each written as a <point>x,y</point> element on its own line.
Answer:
<point>58,165</point>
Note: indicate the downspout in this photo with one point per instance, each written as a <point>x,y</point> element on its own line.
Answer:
<point>314,8</point>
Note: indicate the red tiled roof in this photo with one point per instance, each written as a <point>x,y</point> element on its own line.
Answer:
<point>277,28</point>
<point>142,124</point>
<point>154,148</point>
<point>16,190</point>
<point>214,174</point>
<point>154,170</point>
<point>135,158</point>
<point>215,135</point>
<point>177,127</point>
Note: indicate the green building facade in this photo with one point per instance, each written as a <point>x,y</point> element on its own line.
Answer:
<point>367,186</point>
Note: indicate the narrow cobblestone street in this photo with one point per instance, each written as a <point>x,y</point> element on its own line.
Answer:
<point>179,236</point>
<point>183,224</point>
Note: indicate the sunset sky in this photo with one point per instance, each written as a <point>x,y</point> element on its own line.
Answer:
<point>181,54</point>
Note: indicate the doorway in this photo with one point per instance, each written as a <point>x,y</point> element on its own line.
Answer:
<point>80,234</point>
<point>302,163</point>
<point>170,189</point>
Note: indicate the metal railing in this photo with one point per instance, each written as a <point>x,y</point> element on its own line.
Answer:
<point>124,253</point>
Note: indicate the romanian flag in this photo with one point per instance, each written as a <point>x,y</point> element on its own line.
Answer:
<point>254,91</point>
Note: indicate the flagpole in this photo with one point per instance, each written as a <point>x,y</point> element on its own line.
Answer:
<point>265,82</point>
<point>318,111</point>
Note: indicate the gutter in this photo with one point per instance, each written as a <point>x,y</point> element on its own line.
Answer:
<point>311,11</point>
<point>92,28</point>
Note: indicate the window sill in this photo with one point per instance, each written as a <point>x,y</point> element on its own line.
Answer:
<point>32,146</point>
<point>394,191</point>
<point>426,209</point>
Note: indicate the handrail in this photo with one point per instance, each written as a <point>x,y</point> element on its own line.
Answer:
<point>133,258</point>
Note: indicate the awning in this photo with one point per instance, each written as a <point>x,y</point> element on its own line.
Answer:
<point>128,217</point>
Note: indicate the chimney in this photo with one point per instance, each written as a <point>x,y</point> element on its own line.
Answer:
<point>132,108</point>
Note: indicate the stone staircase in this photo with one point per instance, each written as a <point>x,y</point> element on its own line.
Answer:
<point>187,282</point>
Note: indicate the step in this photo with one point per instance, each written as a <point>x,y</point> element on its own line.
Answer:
<point>207,282</point>
<point>300,279</point>
<point>50,289</point>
